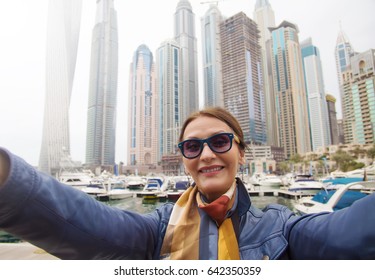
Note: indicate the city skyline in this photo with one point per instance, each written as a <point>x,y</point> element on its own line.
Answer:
<point>23,61</point>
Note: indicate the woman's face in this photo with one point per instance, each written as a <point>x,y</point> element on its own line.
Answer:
<point>212,172</point>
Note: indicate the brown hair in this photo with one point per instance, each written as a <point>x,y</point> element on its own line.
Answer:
<point>220,114</point>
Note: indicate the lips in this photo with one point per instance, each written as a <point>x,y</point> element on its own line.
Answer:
<point>211,169</point>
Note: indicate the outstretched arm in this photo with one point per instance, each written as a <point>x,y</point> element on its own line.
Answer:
<point>4,167</point>
<point>66,222</point>
<point>345,234</point>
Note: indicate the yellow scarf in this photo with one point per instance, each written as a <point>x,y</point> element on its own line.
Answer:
<point>182,236</point>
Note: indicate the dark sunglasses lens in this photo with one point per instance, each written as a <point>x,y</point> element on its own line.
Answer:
<point>191,148</point>
<point>220,143</point>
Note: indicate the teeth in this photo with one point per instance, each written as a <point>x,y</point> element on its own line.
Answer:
<point>211,170</point>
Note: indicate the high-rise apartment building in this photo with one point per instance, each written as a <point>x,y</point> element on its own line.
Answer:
<point>101,113</point>
<point>142,133</point>
<point>242,75</point>
<point>363,97</point>
<point>64,17</point>
<point>289,88</point>
<point>315,90</point>
<point>347,106</point>
<point>343,52</point>
<point>211,57</point>
<point>169,81</point>
<point>332,117</point>
<point>265,18</point>
<point>184,34</point>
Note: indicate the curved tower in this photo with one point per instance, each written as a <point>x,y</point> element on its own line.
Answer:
<point>64,17</point>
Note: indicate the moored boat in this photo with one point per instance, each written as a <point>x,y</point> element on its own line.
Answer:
<point>177,190</point>
<point>333,200</point>
<point>304,184</point>
<point>154,187</point>
<point>265,180</point>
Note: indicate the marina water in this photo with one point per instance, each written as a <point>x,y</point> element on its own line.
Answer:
<point>141,205</point>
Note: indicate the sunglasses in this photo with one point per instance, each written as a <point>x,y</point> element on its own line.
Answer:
<point>218,143</point>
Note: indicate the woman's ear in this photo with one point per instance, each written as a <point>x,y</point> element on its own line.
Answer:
<point>242,159</point>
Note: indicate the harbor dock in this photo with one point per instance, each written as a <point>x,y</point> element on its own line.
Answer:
<point>277,192</point>
<point>23,251</point>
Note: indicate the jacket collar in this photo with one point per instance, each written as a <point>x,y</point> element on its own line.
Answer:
<point>244,201</point>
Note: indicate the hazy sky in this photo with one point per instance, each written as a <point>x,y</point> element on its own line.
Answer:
<point>22,56</point>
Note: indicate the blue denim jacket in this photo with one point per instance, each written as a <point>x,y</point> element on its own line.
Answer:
<point>69,224</point>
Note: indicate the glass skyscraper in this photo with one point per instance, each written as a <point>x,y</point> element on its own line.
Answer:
<point>211,56</point>
<point>343,52</point>
<point>290,92</point>
<point>64,17</point>
<point>265,18</point>
<point>315,90</point>
<point>101,113</point>
<point>169,76</point>
<point>184,34</point>
<point>142,109</point>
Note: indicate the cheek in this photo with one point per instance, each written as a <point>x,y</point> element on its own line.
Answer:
<point>188,163</point>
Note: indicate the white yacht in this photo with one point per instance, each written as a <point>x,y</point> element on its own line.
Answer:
<point>333,200</point>
<point>305,184</point>
<point>265,180</point>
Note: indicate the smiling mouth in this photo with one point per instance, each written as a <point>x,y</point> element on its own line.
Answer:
<point>209,170</point>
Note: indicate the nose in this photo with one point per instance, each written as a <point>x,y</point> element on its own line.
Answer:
<point>207,153</point>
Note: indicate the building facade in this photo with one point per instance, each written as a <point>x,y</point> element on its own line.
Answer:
<point>184,35</point>
<point>363,97</point>
<point>211,57</point>
<point>315,90</point>
<point>169,83</point>
<point>101,112</point>
<point>332,117</point>
<point>242,76</point>
<point>289,88</point>
<point>265,18</point>
<point>142,133</point>
<point>343,52</point>
<point>63,28</point>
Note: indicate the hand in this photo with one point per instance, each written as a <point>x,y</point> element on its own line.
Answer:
<point>4,167</point>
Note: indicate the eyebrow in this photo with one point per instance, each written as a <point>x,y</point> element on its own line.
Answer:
<point>217,132</point>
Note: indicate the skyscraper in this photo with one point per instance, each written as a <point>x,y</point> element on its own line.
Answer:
<point>363,97</point>
<point>169,81</point>
<point>142,109</point>
<point>211,56</point>
<point>184,34</point>
<point>315,90</point>
<point>343,52</point>
<point>265,18</point>
<point>289,88</point>
<point>63,27</point>
<point>332,116</point>
<point>101,113</point>
<point>242,75</point>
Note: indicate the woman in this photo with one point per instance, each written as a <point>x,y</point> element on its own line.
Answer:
<point>213,219</point>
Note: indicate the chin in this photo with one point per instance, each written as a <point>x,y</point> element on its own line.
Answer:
<point>214,188</point>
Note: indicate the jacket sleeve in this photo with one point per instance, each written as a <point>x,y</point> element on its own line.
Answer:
<point>344,234</point>
<point>67,222</point>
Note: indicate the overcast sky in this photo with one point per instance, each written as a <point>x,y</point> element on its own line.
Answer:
<point>22,56</point>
